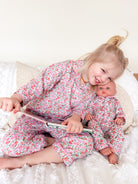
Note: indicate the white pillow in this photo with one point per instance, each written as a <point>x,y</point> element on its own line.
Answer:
<point>7,86</point>
<point>128,82</point>
<point>127,107</point>
<point>25,73</point>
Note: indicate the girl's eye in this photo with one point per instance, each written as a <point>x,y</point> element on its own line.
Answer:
<point>103,70</point>
<point>109,78</point>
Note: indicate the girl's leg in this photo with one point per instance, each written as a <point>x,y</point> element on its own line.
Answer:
<point>47,155</point>
<point>25,137</point>
<point>73,146</point>
<point>66,149</point>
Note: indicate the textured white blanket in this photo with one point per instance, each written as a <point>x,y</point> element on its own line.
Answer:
<point>94,169</point>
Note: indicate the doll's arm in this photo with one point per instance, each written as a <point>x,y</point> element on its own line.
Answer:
<point>120,116</point>
<point>119,120</point>
<point>88,117</point>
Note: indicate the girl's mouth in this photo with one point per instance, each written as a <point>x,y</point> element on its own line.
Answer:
<point>97,80</point>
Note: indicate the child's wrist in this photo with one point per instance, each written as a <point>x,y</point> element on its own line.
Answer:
<point>76,117</point>
<point>17,97</point>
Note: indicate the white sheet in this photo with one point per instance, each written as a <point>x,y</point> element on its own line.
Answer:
<point>94,169</point>
<point>7,86</point>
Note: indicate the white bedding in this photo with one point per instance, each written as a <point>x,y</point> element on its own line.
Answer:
<point>93,169</point>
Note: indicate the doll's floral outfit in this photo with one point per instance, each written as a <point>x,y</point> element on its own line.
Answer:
<point>106,133</point>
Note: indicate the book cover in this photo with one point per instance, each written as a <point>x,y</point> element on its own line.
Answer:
<point>47,123</point>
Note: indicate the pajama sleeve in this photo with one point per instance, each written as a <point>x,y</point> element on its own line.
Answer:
<point>84,108</point>
<point>45,82</point>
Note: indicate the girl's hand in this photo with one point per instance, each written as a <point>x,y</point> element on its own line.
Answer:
<point>8,104</point>
<point>73,124</point>
<point>88,117</point>
<point>119,121</point>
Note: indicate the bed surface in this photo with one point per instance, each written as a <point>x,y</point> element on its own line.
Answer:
<point>93,169</point>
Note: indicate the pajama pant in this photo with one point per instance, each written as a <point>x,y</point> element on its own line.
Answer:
<point>28,136</point>
<point>107,135</point>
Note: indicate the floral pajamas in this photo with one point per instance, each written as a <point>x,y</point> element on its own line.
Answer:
<point>56,95</point>
<point>106,132</point>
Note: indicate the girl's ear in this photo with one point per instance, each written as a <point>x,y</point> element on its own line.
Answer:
<point>126,62</point>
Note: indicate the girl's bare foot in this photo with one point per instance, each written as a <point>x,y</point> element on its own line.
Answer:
<point>11,163</point>
<point>113,159</point>
<point>47,155</point>
<point>106,151</point>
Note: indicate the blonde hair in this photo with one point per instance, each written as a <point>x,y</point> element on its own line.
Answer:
<point>111,47</point>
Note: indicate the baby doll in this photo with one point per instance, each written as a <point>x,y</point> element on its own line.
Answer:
<point>105,117</point>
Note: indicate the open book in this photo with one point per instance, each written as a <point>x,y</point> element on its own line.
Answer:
<point>40,118</point>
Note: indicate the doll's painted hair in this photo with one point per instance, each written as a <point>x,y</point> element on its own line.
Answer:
<point>109,49</point>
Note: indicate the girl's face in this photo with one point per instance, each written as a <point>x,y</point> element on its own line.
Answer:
<point>101,73</point>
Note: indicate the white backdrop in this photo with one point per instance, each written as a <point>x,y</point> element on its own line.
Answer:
<point>48,31</point>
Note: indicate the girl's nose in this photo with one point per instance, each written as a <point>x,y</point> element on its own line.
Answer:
<point>104,78</point>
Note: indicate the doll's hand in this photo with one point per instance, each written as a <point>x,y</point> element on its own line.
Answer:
<point>73,124</point>
<point>119,121</point>
<point>88,117</point>
<point>8,104</point>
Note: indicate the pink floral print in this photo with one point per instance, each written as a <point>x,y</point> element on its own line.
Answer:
<point>106,133</point>
<point>56,94</point>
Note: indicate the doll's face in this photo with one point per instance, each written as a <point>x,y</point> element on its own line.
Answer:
<point>108,89</point>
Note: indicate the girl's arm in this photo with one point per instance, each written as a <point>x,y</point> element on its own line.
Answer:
<point>36,87</point>
<point>44,83</point>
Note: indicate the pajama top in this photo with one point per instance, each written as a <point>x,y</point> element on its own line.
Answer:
<point>105,110</point>
<point>57,93</point>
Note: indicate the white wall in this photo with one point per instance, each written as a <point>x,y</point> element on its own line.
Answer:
<point>48,31</point>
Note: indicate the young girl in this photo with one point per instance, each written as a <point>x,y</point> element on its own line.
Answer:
<point>105,117</point>
<point>56,95</point>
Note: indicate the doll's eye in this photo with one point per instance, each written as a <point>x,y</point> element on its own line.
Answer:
<point>107,88</point>
<point>100,88</point>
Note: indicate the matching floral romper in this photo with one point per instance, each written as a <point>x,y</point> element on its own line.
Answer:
<point>106,133</point>
<point>56,94</point>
